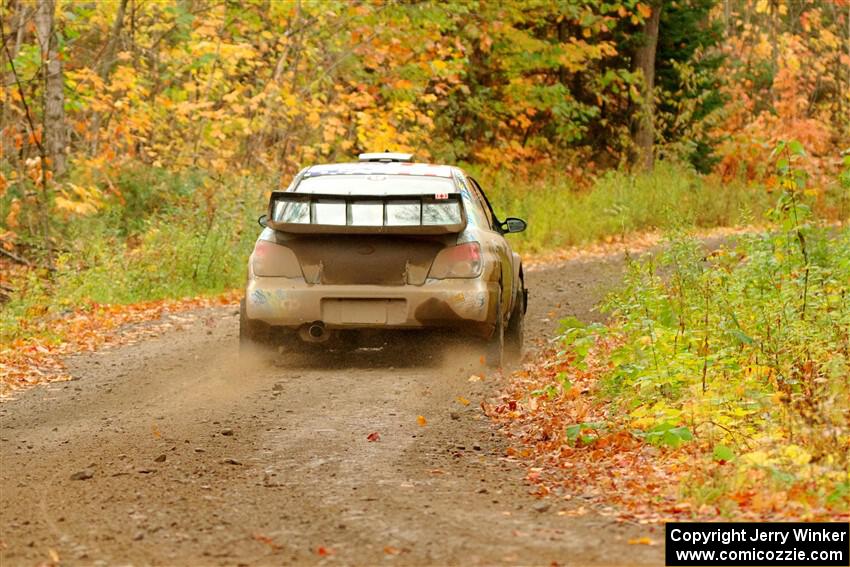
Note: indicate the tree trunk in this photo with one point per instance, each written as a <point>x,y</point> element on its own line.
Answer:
<point>105,66</point>
<point>108,58</point>
<point>20,12</point>
<point>843,100</point>
<point>644,133</point>
<point>54,95</point>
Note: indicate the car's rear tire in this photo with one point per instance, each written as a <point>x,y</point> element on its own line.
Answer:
<point>253,335</point>
<point>516,329</point>
<point>494,354</point>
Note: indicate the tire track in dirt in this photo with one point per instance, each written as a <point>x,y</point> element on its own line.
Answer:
<point>198,458</point>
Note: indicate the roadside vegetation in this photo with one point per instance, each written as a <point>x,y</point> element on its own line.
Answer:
<point>720,382</point>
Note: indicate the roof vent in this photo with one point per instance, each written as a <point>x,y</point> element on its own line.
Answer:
<point>386,157</point>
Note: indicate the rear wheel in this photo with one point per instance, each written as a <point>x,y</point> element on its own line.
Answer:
<point>495,351</point>
<point>515,331</point>
<point>253,335</point>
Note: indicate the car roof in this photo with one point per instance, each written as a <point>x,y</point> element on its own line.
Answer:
<point>379,168</point>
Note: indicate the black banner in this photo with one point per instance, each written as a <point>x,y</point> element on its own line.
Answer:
<point>757,543</point>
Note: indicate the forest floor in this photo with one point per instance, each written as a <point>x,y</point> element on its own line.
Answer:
<point>173,451</point>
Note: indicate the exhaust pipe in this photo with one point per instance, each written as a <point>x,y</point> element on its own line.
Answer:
<point>314,332</point>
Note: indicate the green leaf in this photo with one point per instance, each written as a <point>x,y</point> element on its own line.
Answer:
<point>742,337</point>
<point>723,453</point>
<point>796,148</point>
<point>565,381</point>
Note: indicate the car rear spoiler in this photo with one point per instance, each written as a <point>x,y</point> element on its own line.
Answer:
<point>319,213</point>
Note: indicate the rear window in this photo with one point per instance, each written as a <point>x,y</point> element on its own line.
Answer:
<point>369,213</point>
<point>376,185</point>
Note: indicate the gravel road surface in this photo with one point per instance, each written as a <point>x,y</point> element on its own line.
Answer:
<point>174,451</point>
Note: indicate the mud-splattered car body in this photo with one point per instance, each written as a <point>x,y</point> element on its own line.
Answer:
<point>384,244</point>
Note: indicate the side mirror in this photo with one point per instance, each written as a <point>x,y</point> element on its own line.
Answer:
<point>262,220</point>
<point>513,224</point>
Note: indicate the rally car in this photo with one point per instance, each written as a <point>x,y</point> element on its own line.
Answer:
<point>384,244</point>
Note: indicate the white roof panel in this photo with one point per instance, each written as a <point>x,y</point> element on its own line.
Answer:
<point>380,168</point>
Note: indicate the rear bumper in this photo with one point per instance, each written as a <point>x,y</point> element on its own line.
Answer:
<point>468,305</point>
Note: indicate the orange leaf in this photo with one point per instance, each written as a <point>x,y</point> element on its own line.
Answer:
<point>644,10</point>
<point>421,421</point>
<point>641,541</point>
<point>374,436</point>
<point>324,551</point>
<point>268,541</point>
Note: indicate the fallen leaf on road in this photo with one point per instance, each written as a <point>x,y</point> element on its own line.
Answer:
<point>54,556</point>
<point>324,551</point>
<point>268,541</point>
<point>374,436</point>
<point>462,400</point>
<point>475,378</point>
<point>89,328</point>
<point>641,541</point>
<point>155,430</point>
<point>390,550</point>
<point>421,421</point>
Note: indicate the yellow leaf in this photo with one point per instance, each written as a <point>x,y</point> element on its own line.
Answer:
<point>12,217</point>
<point>797,455</point>
<point>641,541</point>
<point>421,421</point>
<point>644,10</point>
<point>462,400</point>
<point>758,458</point>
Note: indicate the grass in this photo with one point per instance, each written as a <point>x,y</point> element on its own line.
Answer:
<point>559,215</point>
<point>172,237</point>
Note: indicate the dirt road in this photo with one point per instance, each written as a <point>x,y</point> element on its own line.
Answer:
<point>173,452</point>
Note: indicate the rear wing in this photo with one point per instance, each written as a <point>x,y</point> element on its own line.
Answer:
<point>318,213</point>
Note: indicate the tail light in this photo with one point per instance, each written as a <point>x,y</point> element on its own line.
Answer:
<point>273,260</point>
<point>461,261</point>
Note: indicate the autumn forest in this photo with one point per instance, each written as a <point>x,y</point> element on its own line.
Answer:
<point>702,147</point>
